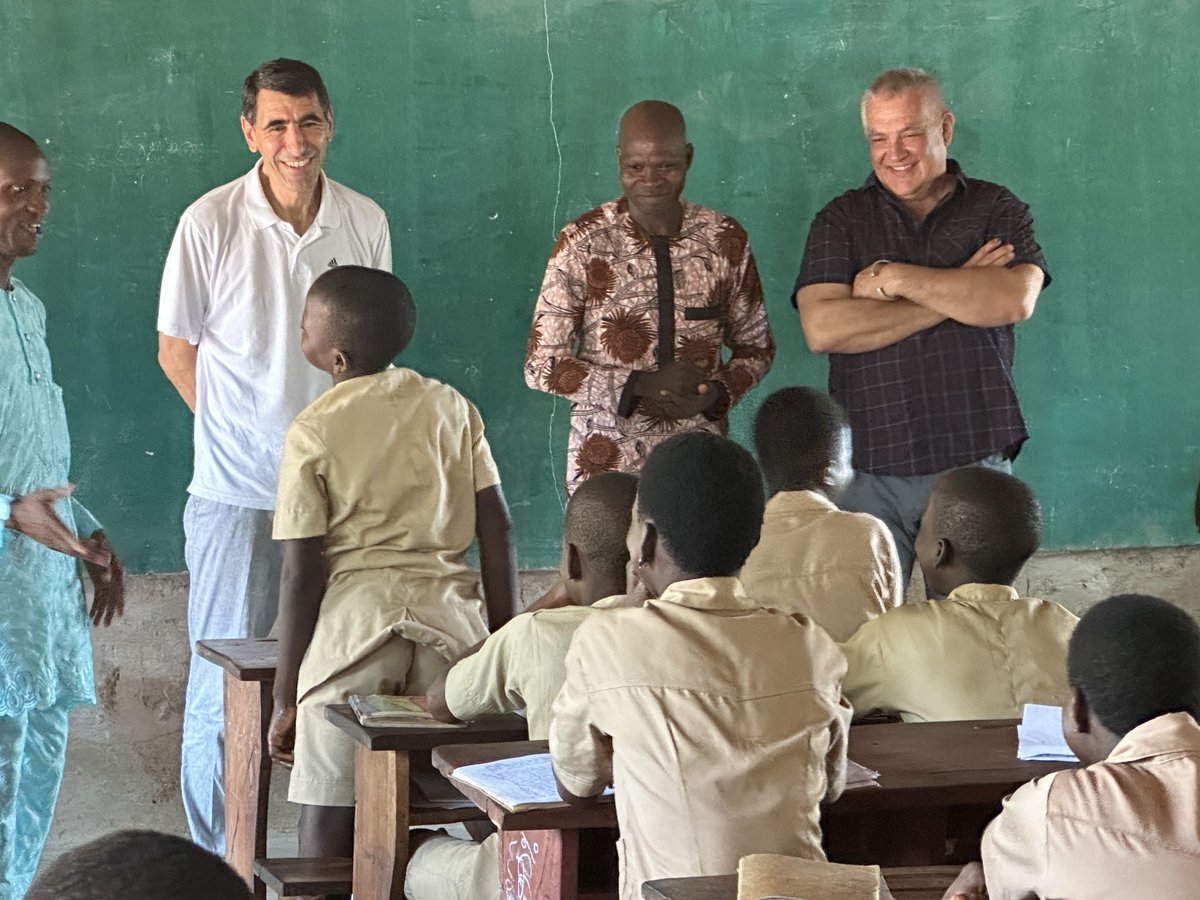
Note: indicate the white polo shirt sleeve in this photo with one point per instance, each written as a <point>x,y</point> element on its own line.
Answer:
<point>183,299</point>
<point>383,248</point>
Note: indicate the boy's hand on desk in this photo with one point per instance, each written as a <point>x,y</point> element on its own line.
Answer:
<point>281,737</point>
<point>969,885</point>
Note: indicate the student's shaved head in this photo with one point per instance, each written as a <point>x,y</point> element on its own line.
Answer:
<point>1135,658</point>
<point>13,140</point>
<point>371,314</point>
<point>597,520</point>
<point>138,865</point>
<point>652,119</point>
<point>992,521</point>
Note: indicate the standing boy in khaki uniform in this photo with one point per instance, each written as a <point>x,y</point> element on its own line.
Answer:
<point>386,480</point>
<point>719,722</point>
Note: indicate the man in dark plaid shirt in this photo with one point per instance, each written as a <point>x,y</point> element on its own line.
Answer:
<point>912,284</point>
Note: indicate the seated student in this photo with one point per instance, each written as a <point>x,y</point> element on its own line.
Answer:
<point>838,568</point>
<point>521,667</point>
<point>981,652</point>
<point>720,722</point>
<point>138,865</point>
<point>385,480</point>
<point>1128,823</point>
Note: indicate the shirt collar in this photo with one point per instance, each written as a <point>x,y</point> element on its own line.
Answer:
<point>952,166</point>
<point>706,593</point>
<point>258,207</point>
<point>983,593</point>
<point>1169,733</point>
<point>787,503</point>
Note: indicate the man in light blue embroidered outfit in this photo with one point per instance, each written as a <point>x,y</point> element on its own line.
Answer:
<point>45,649</point>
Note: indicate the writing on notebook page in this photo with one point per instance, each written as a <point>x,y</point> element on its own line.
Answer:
<point>517,783</point>
<point>1040,735</point>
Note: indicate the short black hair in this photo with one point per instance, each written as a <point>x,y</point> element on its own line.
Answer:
<point>139,865</point>
<point>1135,658</point>
<point>796,435</point>
<point>597,519</point>
<point>992,520</point>
<point>704,494</point>
<point>13,138</point>
<point>284,76</point>
<point>371,314</point>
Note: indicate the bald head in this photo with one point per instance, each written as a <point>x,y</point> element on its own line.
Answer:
<point>13,140</point>
<point>652,120</point>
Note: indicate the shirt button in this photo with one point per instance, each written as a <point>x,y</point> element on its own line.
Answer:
<point>37,376</point>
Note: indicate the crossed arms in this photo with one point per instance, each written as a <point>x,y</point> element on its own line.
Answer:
<point>890,301</point>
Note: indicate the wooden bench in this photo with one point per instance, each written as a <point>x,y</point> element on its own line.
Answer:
<point>910,883</point>
<point>382,815</point>
<point>305,877</point>
<point>249,666</point>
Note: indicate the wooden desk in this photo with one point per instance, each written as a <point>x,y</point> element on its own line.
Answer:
<point>382,816</point>
<point>249,666</point>
<point>917,883</point>
<point>926,770</point>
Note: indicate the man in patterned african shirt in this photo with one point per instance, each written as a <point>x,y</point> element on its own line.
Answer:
<point>639,296</point>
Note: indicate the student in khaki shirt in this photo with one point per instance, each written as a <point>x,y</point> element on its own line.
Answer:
<point>386,479</point>
<point>838,568</point>
<point>719,722</point>
<point>1127,824</point>
<point>980,652</point>
<point>521,667</point>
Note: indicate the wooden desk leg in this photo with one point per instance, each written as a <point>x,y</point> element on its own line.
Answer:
<point>380,823</point>
<point>539,865</point>
<point>247,776</point>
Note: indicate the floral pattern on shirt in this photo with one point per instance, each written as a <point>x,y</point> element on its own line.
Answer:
<point>596,322</point>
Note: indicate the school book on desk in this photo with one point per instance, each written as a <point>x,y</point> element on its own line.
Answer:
<point>517,783</point>
<point>391,711</point>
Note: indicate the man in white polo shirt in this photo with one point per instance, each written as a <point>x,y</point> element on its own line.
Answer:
<point>233,290</point>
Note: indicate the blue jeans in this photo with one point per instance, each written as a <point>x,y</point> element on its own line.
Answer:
<point>900,501</point>
<point>233,592</point>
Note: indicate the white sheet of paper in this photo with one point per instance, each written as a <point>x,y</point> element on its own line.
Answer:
<point>521,779</point>
<point>1040,735</point>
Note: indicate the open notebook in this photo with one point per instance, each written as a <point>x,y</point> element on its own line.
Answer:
<point>767,876</point>
<point>522,782</point>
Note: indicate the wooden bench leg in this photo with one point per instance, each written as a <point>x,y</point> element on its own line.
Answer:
<point>380,823</point>
<point>539,865</point>
<point>247,776</point>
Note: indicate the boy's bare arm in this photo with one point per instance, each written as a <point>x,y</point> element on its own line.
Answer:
<point>497,557</point>
<point>301,588</point>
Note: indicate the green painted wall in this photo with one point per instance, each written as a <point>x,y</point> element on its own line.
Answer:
<point>446,116</point>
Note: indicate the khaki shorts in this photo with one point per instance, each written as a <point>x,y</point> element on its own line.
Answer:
<point>323,773</point>
<point>445,868</point>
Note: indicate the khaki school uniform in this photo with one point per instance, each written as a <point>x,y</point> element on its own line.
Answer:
<point>720,724</point>
<point>838,568</point>
<point>1125,827</point>
<point>521,666</point>
<point>386,468</point>
<point>982,653</point>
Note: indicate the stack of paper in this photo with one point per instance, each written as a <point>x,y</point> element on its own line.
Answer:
<point>767,876</point>
<point>517,783</point>
<point>1040,735</point>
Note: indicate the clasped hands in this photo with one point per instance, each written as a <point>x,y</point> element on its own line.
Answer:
<point>33,515</point>
<point>676,390</point>
<point>882,280</point>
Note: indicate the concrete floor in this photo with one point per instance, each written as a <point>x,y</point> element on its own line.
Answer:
<point>123,755</point>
